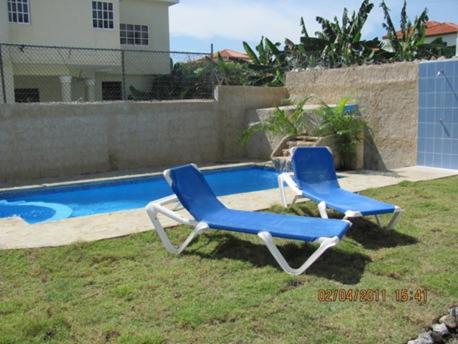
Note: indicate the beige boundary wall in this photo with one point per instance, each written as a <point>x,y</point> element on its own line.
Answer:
<point>388,99</point>
<point>58,139</point>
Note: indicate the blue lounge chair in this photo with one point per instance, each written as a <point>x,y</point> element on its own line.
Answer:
<point>196,196</point>
<point>314,177</point>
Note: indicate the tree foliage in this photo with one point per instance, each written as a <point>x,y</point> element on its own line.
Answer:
<point>405,45</point>
<point>339,43</point>
<point>342,40</point>
<point>268,63</point>
<point>409,42</point>
<point>194,79</point>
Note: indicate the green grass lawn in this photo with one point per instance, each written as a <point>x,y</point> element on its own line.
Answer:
<point>226,288</point>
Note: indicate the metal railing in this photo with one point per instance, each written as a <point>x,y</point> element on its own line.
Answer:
<point>35,73</point>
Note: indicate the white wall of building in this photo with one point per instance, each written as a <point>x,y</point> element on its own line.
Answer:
<point>63,23</point>
<point>4,27</point>
<point>49,87</point>
<point>151,13</point>
<point>156,16</point>
<point>68,23</point>
<point>450,38</point>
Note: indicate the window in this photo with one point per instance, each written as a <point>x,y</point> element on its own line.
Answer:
<point>111,90</point>
<point>102,15</point>
<point>19,11</point>
<point>134,34</point>
<point>27,95</point>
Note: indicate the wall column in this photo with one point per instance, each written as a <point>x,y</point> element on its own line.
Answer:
<point>456,46</point>
<point>66,88</point>
<point>90,90</point>
<point>8,79</point>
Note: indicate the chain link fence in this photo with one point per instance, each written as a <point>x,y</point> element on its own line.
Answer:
<point>64,74</point>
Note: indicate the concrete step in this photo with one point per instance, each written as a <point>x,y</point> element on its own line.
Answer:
<point>300,143</point>
<point>305,138</point>
<point>300,138</point>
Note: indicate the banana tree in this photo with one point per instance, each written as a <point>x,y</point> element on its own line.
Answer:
<point>269,64</point>
<point>405,45</point>
<point>343,39</point>
<point>305,54</point>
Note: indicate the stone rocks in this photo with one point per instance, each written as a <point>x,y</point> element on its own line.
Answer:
<point>440,329</point>
<point>445,331</point>
<point>423,338</point>
<point>448,321</point>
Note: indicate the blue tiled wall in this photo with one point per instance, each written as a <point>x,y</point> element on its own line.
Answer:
<point>438,114</point>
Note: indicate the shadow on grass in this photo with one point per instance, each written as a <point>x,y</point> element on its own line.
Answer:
<point>364,231</point>
<point>373,237</point>
<point>335,264</point>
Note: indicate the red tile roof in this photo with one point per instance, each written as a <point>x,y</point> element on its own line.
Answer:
<point>232,54</point>
<point>434,28</point>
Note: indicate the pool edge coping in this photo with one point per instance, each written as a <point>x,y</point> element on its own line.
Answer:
<point>124,177</point>
<point>17,234</point>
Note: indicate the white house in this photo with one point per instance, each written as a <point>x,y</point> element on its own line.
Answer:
<point>447,31</point>
<point>32,72</point>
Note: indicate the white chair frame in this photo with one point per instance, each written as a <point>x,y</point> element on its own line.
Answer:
<point>158,207</point>
<point>287,178</point>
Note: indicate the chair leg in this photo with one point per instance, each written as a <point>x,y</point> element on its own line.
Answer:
<point>325,244</point>
<point>198,229</point>
<point>350,213</point>
<point>322,210</point>
<point>281,187</point>
<point>394,220</point>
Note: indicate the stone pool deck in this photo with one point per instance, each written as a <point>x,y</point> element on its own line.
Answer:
<point>15,233</point>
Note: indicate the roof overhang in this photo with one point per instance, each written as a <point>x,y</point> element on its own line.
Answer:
<point>166,2</point>
<point>170,2</point>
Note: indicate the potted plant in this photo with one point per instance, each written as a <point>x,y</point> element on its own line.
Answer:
<point>292,124</point>
<point>338,127</point>
<point>344,123</point>
<point>283,122</point>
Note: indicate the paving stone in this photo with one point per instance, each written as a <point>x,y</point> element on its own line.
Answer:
<point>15,233</point>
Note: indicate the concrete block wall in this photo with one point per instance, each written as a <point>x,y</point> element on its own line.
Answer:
<point>387,96</point>
<point>47,140</point>
<point>67,139</point>
<point>234,104</point>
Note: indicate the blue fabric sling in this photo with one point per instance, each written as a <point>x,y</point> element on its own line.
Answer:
<point>198,198</point>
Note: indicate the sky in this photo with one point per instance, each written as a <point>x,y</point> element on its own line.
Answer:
<point>195,24</point>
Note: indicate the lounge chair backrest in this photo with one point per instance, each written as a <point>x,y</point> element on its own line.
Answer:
<point>193,191</point>
<point>314,165</point>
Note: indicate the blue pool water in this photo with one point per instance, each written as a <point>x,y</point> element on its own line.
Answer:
<point>56,203</point>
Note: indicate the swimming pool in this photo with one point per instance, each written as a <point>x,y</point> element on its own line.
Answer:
<point>57,203</point>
